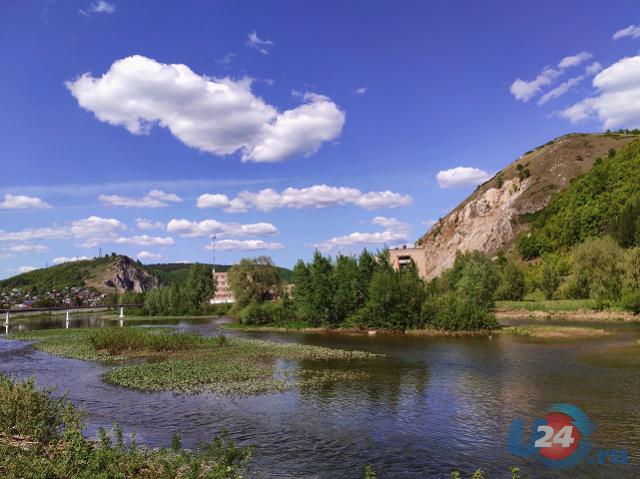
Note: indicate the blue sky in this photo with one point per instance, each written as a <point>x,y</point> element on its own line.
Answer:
<point>363,121</point>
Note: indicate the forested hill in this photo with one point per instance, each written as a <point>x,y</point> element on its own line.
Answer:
<point>108,274</point>
<point>105,274</point>
<point>605,200</point>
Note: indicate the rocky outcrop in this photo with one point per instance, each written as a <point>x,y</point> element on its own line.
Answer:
<point>490,218</point>
<point>124,274</point>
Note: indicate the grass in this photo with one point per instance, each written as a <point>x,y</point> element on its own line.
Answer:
<point>165,360</point>
<point>554,332</point>
<point>41,437</point>
<point>571,305</point>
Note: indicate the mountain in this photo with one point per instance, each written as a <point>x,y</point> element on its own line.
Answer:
<point>504,206</point>
<point>107,274</point>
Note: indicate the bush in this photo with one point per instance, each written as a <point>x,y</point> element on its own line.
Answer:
<point>274,312</point>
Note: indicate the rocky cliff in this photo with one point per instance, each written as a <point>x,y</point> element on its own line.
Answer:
<point>491,217</point>
<point>124,274</point>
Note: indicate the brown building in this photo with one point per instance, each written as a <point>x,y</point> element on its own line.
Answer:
<point>223,292</point>
<point>402,257</point>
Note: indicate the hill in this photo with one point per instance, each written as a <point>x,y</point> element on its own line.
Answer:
<point>606,200</point>
<point>503,207</point>
<point>107,274</point>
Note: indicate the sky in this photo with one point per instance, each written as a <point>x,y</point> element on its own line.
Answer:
<point>283,127</point>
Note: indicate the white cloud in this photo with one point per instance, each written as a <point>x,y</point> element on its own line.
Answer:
<point>100,6</point>
<point>26,248</point>
<point>618,101</point>
<point>21,202</point>
<point>254,41</point>
<point>524,90</point>
<point>395,232</point>
<point>226,60</point>
<point>146,240</point>
<point>632,31</point>
<point>360,91</point>
<point>245,245</point>
<point>148,256</point>
<point>316,196</point>
<point>461,176</point>
<point>66,259</point>
<point>575,60</point>
<point>560,90</point>
<point>594,68</point>
<point>218,116</point>
<point>145,224</point>
<point>28,234</point>
<point>26,269</point>
<point>96,227</point>
<point>153,199</point>
<point>192,229</point>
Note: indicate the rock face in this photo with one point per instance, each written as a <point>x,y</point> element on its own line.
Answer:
<point>491,217</point>
<point>124,274</point>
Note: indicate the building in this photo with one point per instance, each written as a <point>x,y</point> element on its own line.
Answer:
<point>401,258</point>
<point>223,292</point>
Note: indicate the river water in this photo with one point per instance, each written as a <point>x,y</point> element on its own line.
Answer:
<point>434,404</point>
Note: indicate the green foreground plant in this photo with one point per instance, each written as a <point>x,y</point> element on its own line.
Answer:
<point>41,437</point>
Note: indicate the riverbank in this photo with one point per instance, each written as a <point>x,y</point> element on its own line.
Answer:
<point>165,360</point>
<point>300,327</point>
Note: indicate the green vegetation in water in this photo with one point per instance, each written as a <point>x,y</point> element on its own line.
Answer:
<point>554,332</point>
<point>191,363</point>
<point>41,437</point>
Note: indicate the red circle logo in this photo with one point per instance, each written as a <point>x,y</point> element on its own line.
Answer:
<point>561,437</point>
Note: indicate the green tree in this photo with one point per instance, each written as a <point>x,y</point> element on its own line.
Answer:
<point>549,277</point>
<point>254,280</point>
<point>322,290</point>
<point>631,285</point>
<point>511,284</point>
<point>597,269</point>
<point>346,298</point>
<point>200,285</point>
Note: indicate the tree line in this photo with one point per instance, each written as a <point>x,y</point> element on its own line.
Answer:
<point>367,292</point>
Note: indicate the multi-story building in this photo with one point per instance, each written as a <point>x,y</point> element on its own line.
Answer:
<point>402,257</point>
<point>223,292</point>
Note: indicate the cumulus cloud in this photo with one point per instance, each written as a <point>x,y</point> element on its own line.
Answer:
<point>153,199</point>
<point>360,91</point>
<point>146,240</point>
<point>21,202</point>
<point>66,259</point>
<point>193,229</point>
<point>96,227</point>
<point>524,90</point>
<point>101,6</point>
<point>148,256</point>
<point>618,101</point>
<point>254,41</point>
<point>218,116</point>
<point>145,224</point>
<point>462,176</point>
<point>395,232</point>
<point>632,31</point>
<point>26,248</point>
<point>245,245</point>
<point>316,196</point>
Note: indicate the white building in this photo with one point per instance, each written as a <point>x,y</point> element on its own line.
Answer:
<point>223,292</point>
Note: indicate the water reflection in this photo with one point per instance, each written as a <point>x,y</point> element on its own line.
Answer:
<point>431,405</point>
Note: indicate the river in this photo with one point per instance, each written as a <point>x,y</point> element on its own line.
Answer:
<point>434,404</point>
